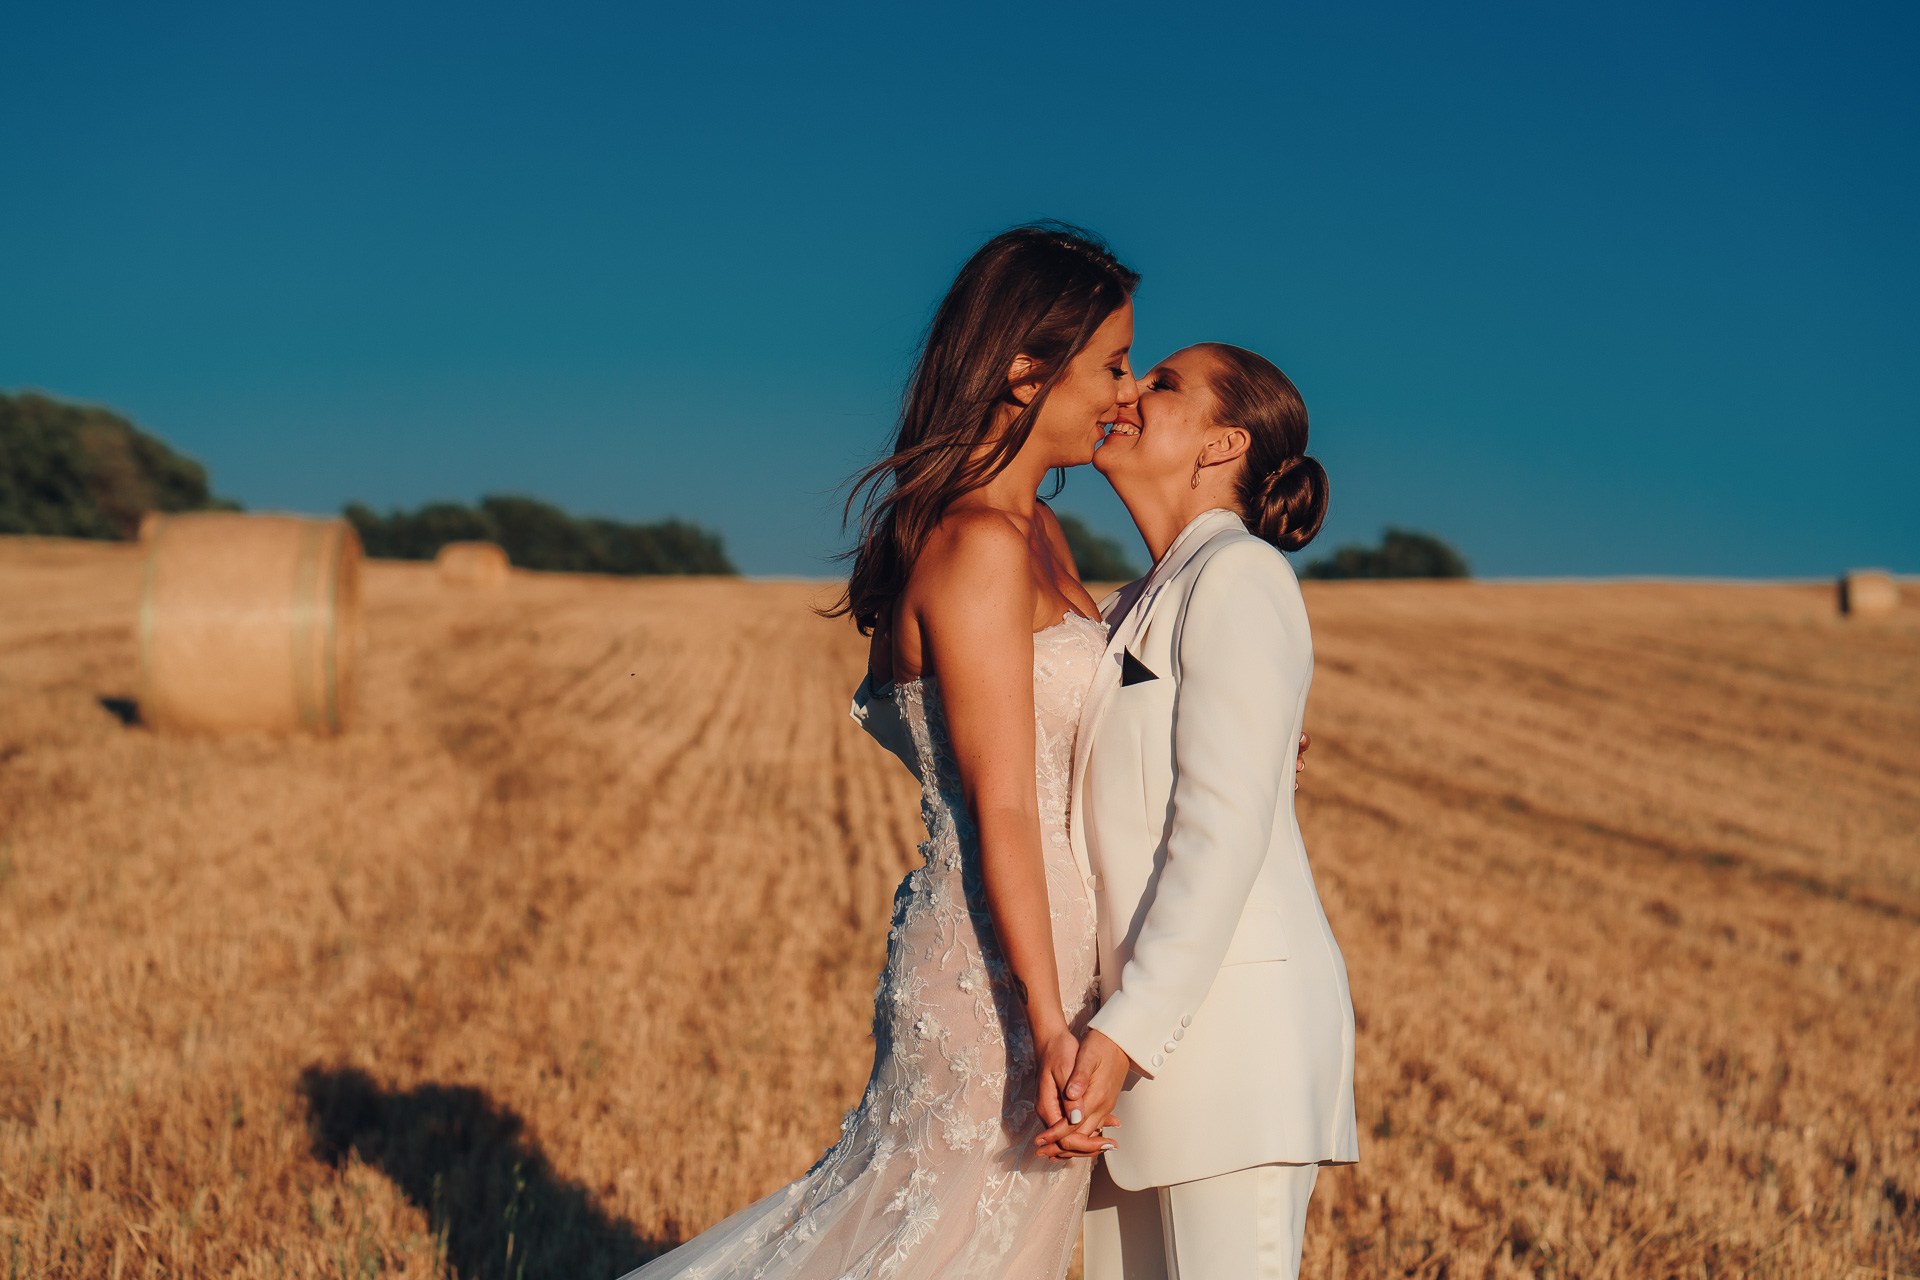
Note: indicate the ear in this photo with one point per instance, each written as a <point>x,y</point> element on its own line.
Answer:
<point>1020,380</point>
<point>1224,444</point>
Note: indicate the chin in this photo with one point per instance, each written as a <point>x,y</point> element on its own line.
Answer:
<point>1081,456</point>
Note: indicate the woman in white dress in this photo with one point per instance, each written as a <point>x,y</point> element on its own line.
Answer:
<point>984,646</point>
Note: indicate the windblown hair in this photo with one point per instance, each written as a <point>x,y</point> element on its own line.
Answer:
<point>1282,490</point>
<point>1039,291</point>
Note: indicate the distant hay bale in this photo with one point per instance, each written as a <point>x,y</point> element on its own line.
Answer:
<point>473,564</point>
<point>248,622</point>
<point>1868,591</point>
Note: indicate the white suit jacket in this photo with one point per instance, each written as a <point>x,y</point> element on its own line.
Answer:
<point>1219,974</point>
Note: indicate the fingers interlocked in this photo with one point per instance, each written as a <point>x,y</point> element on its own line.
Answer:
<point>1099,1071</point>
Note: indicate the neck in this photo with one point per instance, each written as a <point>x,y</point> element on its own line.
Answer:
<point>1016,489</point>
<point>1161,514</point>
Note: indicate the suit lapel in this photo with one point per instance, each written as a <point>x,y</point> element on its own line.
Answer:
<point>1132,622</point>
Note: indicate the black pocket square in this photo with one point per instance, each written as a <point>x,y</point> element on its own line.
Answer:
<point>1134,671</point>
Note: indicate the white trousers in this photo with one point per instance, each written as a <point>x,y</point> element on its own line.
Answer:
<point>1248,1225</point>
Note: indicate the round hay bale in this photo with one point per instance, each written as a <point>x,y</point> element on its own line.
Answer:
<point>1868,591</point>
<point>473,564</point>
<point>249,622</point>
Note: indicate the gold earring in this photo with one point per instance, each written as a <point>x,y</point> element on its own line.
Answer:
<point>1197,464</point>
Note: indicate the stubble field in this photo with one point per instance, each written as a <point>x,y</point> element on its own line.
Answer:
<point>566,949</point>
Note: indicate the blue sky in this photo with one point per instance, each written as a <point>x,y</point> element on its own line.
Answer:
<point>1624,290</point>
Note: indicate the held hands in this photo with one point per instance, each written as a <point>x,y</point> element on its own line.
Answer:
<point>1080,1081</point>
<point>1058,1050</point>
<point>1087,1092</point>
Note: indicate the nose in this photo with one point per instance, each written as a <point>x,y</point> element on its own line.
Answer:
<point>1127,389</point>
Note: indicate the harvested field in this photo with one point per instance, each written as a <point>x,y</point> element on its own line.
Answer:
<point>566,948</point>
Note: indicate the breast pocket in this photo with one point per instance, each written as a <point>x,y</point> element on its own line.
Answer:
<point>1262,936</point>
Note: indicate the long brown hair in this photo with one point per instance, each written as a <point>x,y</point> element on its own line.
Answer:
<point>1040,291</point>
<point>1282,490</point>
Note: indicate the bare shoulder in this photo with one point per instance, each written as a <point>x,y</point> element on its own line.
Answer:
<point>972,541</point>
<point>979,556</point>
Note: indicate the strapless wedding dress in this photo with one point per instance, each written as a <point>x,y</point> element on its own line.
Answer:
<point>934,1176</point>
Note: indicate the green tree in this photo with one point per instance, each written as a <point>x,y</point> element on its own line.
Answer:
<point>77,471</point>
<point>1099,558</point>
<point>1401,554</point>
<point>539,535</point>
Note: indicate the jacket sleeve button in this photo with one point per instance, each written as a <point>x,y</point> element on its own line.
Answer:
<point>1186,1019</point>
<point>1180,1033</point>
<point>1170,1046</point>
<point>1158,1059</point>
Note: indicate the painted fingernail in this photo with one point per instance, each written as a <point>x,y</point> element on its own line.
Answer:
<point>1074,1116</point>
<point>1109,1146</point>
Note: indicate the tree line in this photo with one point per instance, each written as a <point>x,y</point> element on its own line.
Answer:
<point>539,535</point>
<point>1401,554</point>
<point>75,471</point>
<point>79,471</point>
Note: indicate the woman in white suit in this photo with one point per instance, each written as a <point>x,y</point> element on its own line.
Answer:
<point>1224,1041</point>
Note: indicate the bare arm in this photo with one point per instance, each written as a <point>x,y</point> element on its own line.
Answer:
<point>975,600</point>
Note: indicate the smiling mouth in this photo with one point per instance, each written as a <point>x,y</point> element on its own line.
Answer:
<point>1121,428</point>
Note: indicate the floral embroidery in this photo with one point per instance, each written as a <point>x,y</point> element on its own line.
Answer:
<point>934,1174</point>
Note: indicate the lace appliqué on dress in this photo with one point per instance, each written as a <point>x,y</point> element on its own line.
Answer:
<point>934,1176</point>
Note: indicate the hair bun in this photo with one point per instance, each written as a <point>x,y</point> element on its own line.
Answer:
<point>1286,468</point>
<point>1292,503</point>
<point>1282,491</point>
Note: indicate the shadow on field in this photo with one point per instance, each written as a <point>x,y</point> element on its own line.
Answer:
<point>488,1192</point>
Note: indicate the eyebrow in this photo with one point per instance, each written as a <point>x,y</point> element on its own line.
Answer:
<point>1120,351</point>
